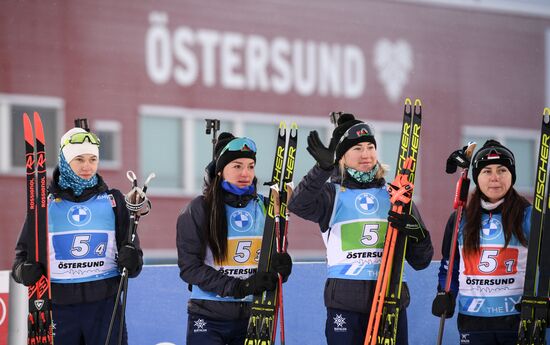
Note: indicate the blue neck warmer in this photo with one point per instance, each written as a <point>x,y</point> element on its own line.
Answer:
<point>231,188</point>
<point>68,178</point>
<point>363,177</point>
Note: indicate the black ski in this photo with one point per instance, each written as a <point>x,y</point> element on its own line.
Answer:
<point>535,303</point>
<point>40,326</point>
<point>263,319</point>
<point>382,326</point>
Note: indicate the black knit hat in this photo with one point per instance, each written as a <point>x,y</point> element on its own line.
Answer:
<point>349,133</point>
<point>493,152</point>
<point>224,157</point>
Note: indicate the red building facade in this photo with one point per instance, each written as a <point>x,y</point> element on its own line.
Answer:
<point>147,74</point>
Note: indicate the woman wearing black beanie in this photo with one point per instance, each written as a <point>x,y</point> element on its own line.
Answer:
<point>219,237</point>
<point>352,213</point>
<point>491,254</point>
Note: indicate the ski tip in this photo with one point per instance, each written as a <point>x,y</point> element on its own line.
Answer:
<point>546,111</point>
<point>39,127</point>
<point>27,129</point>
<point>408,101</point>
<point>417,102</point>
<point>293,130</point>
<point>282,125</point>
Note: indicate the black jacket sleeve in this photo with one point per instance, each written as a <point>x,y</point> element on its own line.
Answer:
<point>21,253</point>
<point>419,254</point>
<point>191,244</point>
<point>314,197</point>
<point>445,252</point>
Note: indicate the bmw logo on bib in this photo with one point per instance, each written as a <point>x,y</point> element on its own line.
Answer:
<point>79,215</point>
<point>366,203</point>
<point>491,229</point>
<point>241,221</point>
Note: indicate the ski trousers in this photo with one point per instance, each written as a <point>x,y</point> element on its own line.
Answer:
<point>86,323</point>
<point>350,328</point>
<point>205,331</point>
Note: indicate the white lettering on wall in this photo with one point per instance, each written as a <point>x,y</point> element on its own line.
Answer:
<point>235,61</point>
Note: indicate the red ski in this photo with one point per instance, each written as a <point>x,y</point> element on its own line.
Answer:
<point>40,326</point>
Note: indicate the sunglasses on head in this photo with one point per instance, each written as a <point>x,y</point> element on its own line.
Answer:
<point>80,138</point>
<point>357,131</point>
<point>239,144</point>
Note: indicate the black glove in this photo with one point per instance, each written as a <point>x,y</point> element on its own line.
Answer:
<point>457,159</point>
<point>324,156</point>
<point>129,258</point>
<point>407,224</point>
<point>29,272</point>
<point>255,284</point>
<point>282,264</point>
<point>540,302</point>
<point>444,303</point>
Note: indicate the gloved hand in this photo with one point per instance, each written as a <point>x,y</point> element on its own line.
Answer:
<point>540,302</point>
<point>407,224</point>
<point>324,156</point>
<point>444,303</point>
<point>457,159</point>
<point>282,264</point>
<point>29,272</point>
<point>256,283</point>
<point>128,257</point>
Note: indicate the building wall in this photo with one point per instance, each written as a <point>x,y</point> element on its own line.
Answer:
<point>469,68</point>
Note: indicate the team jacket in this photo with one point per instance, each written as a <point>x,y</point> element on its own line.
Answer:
<point>488,284</point>
<point>314,199</point>
<point>196,267</point>
<point>95,287</point>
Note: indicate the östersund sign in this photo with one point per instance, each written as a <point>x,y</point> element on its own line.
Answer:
<point>232,60</point>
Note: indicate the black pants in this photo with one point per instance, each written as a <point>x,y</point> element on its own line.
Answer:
<point>86,323</point>
<point>204,331</point>
<point>489,338</point>
<point>349,328</point>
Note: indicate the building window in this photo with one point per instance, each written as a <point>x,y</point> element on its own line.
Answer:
<point>522,142</point>
<point>174,145</point>
<point>109,132</point>
<point>12,145</point>
<point>161,148</point>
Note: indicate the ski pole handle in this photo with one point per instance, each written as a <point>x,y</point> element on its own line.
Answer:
<point>213,126</point>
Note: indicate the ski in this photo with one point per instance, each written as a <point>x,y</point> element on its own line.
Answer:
<point>535,299</point>
<point>382,325</point>
<point>39,321</point>
<point>281,234</point>
<point>460,199</point>
<point>264,311</point>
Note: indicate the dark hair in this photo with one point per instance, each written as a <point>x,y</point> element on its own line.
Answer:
<point>215,222</point>
<point>513,209</point>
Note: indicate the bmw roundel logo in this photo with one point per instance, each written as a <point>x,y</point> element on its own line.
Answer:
<point>241,221</point>
<point>491,229</point>
<point>366,203</point>
<point>79,215</point>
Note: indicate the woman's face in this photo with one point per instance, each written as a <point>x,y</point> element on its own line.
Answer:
<point>494,181</point>
<point>85,166</point>
<point>239,172</point>
<point>361,157</point>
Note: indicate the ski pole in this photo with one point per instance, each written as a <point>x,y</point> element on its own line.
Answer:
<point>139,205</point>
<point>461,196</point>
